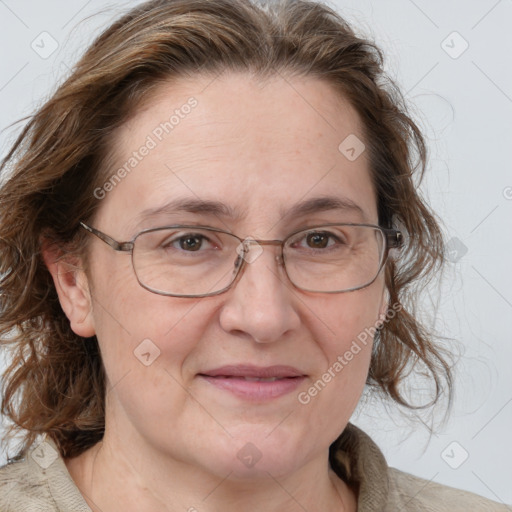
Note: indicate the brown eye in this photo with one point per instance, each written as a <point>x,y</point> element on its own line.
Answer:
<point>190,243</point>
<point>318,240</point>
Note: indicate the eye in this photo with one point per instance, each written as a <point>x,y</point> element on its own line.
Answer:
<point>190,242</point>
<point>318,240</point>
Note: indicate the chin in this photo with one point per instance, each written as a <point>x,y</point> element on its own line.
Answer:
<point>256,452</point>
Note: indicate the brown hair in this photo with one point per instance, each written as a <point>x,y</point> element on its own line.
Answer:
<point>55,382</point>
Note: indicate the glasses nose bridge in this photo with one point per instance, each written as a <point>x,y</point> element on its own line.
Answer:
<point>263,242</point>
<point>258,242</point>
<point>246,257</point>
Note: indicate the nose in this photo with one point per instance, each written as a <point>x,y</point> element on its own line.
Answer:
<point>261,305</point>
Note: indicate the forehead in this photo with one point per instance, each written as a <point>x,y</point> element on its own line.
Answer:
<point>259,147</point>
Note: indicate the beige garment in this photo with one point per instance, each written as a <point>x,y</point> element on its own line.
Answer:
<point>41,483</point>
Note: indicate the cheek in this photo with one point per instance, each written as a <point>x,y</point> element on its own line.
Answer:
<point>145,341</point>
<point>139,331</point>
<point>339,320</point>
<point>344,327</point>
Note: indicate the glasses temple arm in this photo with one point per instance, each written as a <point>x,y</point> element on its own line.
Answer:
<point>117,246</point>
<point>394,238</point>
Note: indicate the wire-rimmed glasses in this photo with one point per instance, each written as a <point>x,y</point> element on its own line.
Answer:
<point>200,261</point>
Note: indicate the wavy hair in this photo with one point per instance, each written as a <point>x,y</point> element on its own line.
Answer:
<point>55,380</point>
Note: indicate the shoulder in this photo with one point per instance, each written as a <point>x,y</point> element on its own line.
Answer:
<point>416,494</point>
<point>39,482</point>
<point>358,461</point>
<point>22,488</point>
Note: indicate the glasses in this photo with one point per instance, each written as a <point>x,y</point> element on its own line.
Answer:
<point>199,261</point>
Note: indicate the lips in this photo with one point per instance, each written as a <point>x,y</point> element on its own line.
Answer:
<point>255,383</point>
<point>255,372</point>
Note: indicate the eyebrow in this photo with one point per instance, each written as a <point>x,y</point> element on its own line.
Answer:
<point>324,203</point>
<point>219,209</point>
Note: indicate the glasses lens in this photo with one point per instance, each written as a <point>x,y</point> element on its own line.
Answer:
<point>334,258</point>
<point>185,260</point>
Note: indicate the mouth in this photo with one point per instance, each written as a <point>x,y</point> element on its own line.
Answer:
<point>253,379</point>
<point>255,383</point>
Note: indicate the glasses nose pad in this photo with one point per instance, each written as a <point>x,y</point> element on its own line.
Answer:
<point>249,250</point>
<point>242,250</point>
<point>238,263</point>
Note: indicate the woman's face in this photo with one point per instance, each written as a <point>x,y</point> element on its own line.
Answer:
<point>260,149</point>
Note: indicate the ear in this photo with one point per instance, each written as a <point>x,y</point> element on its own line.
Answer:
<point>72,288</point>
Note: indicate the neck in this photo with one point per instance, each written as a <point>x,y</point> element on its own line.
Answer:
<point>115,477</point>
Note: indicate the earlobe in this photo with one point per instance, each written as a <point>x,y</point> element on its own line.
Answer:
<point>72,288</point>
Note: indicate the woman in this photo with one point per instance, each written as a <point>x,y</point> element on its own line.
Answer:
<point>207,242</point>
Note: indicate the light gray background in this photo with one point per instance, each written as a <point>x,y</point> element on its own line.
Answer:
<point>463,101</point>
